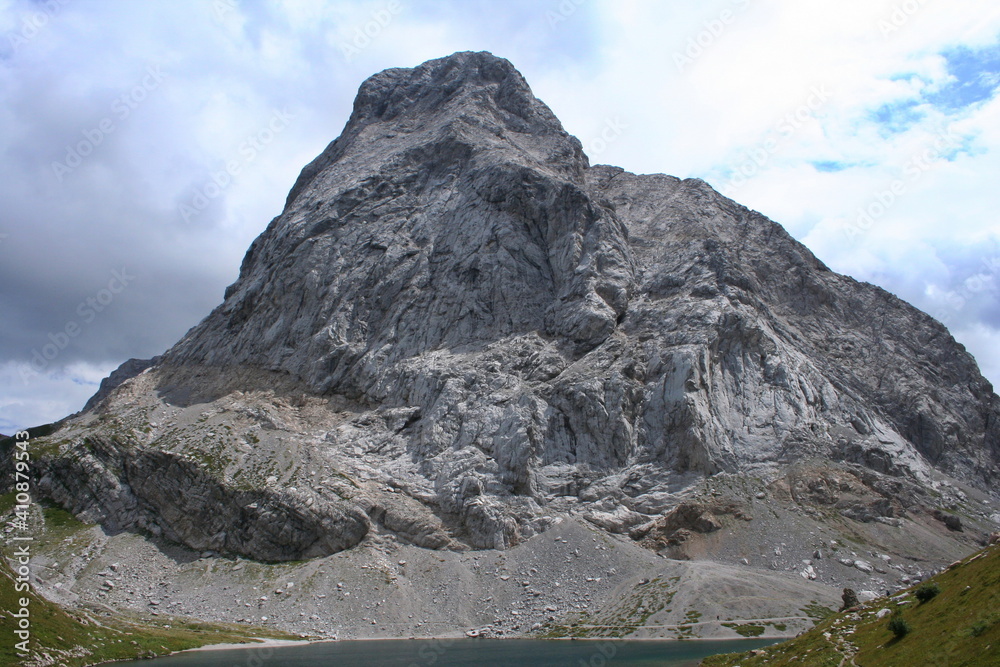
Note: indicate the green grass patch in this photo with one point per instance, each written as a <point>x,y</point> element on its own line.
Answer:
<point>959,627</point>
<point>620,619</point>
<point>817,611</point>
<point>56,518</point>
<point>746,629</point>
<point>75,637</point>
<point>7,502</point>
<point>983,625</point>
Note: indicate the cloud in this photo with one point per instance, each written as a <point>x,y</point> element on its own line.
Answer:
<point>36,403</point>
<point>808,112</point>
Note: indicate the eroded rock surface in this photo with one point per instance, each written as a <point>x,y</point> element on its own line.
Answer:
<point>480,330</point>
<point>163,493</point>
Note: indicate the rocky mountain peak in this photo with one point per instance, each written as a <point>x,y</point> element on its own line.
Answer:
<point>456,82</point>
<point>465,98</point>
<point>457,332</point>
<point>451,211</point>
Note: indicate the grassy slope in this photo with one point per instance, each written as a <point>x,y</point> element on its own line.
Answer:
<point>959,627</point>
<point>73,638</point>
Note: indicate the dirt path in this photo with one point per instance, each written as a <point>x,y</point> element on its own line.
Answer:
<point>740,621</point>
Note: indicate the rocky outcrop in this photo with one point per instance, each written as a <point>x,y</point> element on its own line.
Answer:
<point>850,599</point>
<point>126,371</point>
<point>862,495</point>
<point>500,326</point>
<point>159,492</point>
<point>677,526</point>
<point>952,521</point>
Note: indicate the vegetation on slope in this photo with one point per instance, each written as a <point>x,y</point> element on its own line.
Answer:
<point>77,637</point>
<point>957,626</point>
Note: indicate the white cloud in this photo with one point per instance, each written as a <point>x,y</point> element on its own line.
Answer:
<point>982,342</point>
<point>27,399</point>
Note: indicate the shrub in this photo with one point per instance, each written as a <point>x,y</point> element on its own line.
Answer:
<point>898,626</point>
<point>927,592</point>
<point>982,625</point>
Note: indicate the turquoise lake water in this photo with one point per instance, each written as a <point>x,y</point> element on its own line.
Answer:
<point>463,653</point>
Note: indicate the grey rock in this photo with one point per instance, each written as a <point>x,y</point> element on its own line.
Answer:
<point>126,371</point>
<point>618,521</point>
<point>497,325</point>
<point>866,596</point>
<point>123,489</point>
<point>474,221</point>
<point>850,599</point>
<point>864,566</point>
<point>951,521</point>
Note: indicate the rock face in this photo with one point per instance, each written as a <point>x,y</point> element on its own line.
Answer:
<point>171,495</point>
<point>126,371</point>
<point>502,331</point>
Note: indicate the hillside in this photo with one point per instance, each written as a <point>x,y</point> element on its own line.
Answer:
<point>71,638</point>
<point>959,627</point>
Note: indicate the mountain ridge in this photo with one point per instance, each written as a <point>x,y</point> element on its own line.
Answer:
<point>458,335</point>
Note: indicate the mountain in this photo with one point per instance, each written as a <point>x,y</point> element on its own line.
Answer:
<point>126,371</point>
<point>459,336</point>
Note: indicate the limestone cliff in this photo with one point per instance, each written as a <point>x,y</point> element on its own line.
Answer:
<point>458,328</point>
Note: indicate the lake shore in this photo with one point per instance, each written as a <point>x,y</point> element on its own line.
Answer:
<point>399,651</point>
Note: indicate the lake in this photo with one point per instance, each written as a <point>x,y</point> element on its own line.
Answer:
<point>463,653</point>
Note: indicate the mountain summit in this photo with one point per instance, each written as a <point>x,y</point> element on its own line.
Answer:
<point>451,211</point>
<point>459,334</point>
<point>607,320</point>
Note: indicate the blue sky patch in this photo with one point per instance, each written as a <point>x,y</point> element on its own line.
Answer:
<point>828,166</point>
<point>975,77</point>
<point>899,116</point>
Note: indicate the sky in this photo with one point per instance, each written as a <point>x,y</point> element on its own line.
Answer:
<point>144,145</point>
